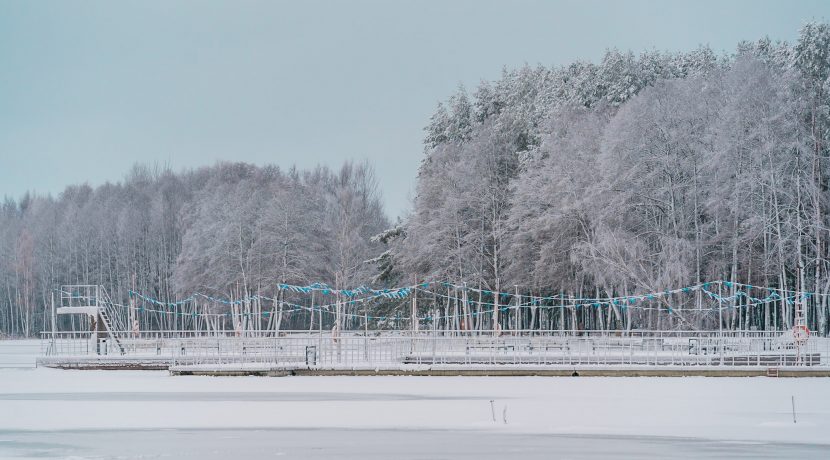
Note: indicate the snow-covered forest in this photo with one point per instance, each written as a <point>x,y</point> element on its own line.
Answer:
<point>640,173</point>
<point>227,230</point>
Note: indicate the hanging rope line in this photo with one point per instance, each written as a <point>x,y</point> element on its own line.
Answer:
<point>363,294</point>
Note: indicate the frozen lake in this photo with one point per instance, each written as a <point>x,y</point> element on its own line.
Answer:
<point>48,413</point>
<point>376,444</point>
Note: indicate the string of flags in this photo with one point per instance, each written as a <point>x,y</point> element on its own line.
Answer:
<point>364,294</point>
<point>403,292</point>
<point>328,310</point>
<point>291,307</point>
<point>397,293</point>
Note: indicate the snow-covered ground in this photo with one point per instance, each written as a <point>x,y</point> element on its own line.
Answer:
<point>48,413</point>
<point>18,353</point>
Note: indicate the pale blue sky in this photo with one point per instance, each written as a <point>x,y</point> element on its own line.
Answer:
<point>87,88</point>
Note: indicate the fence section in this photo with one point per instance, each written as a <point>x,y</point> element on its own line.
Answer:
<point>390,350</point>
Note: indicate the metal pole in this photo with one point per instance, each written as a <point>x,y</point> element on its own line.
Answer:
<point>414,319</point>
<point>518,309</point>
<point>366,331</point>
<point>434,332</point>
<point>414,311</point>
<point>319,326</point>
<point>720,321</point>
<point>54,321</point>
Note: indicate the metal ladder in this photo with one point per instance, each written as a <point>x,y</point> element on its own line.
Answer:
<point>111,330</point>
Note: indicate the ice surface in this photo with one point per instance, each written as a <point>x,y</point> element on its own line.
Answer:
<point>378,444</point>
<point>95,414</point>
<point>18,353</point>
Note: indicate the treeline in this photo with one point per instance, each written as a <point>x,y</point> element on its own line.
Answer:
<point>637,174</point>
<point>230,230</point>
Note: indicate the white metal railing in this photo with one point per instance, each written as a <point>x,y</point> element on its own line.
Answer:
<point>355,349</point>
<point>78,295</point>
<point>179,333</point>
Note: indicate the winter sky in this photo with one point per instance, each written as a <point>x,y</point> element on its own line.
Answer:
<point>89,88</point>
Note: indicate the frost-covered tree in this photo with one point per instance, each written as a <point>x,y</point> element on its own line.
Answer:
<point>637,173</point>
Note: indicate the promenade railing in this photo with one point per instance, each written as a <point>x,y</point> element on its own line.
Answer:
<point>358,349</point>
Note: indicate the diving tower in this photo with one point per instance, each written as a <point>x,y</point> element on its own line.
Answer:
<point>93,301</point>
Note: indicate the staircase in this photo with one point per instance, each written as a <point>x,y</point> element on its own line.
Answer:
<point>104,314</point>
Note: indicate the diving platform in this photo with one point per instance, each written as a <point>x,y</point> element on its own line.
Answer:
<point>106,322</point>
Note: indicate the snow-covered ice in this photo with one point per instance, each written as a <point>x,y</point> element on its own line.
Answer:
<point>379,444</point>
<point>99,414</point>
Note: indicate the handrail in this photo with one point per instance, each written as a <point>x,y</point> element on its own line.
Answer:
<point>429,347</point>
<point>450,333</point>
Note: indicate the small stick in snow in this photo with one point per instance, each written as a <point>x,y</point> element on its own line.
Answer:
<point>793,401</point>
<point>493,411</point>
<point>504,414</point>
